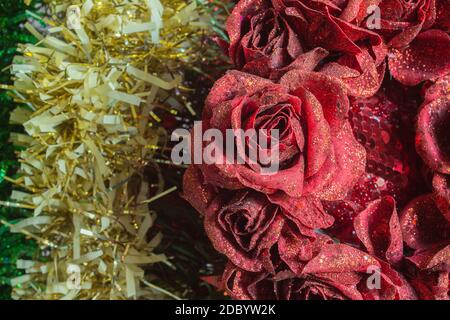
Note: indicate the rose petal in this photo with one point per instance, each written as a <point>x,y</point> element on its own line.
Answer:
<point>289,180</point>
<point>422,224</point>
<point>432,286</point>
<point>339,71</point>
<point>369,81</point>
<point>318,138</point>
<point>393,286</point>
<point>442,14</point>
<point>438,89</point>
<point>308,211</point>
<point>360,73</point>
<point>233,84</point>
<point>314,185</point>
<point>441,185</point>
<point>224,241</point>
<point>433,136</point>
<point>340,258</point>
<point>235,282</point>
<point>294,248</point>
<point>378,228</point>
<point>325,31</point>
<point>442,257</point>
<point>436,258</point>
<point>223,176</point>
<point>318,135</point>
<point>407,36</point>
<point>350,162</point>
<point>307,62</point>
<point>339,286</point>
<point>327,90</point>
<point>424,59</point>
<point>195,191</point>
<point>353,9</point>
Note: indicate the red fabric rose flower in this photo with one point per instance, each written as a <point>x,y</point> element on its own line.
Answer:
<point>318,154</point>
<point>267,34</point>
<point>337,272</point>
<point>402,21</point>
<point>246,225</point>
<point>270,37</point>
<point>299,60</point>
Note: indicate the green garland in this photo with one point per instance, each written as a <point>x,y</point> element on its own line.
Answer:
<point>13,13</point>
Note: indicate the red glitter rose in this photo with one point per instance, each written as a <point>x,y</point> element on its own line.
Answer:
<point>337,272</point>
<point>402,21</point>
<point>318,154</point>
<point>246,225</point>
<point>270,37</point>
<point>417,33</point>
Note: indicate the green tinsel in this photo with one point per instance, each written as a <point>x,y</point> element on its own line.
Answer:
<point>13,13</point>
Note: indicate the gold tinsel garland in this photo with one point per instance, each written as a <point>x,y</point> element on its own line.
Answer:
<point>90,86</point>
